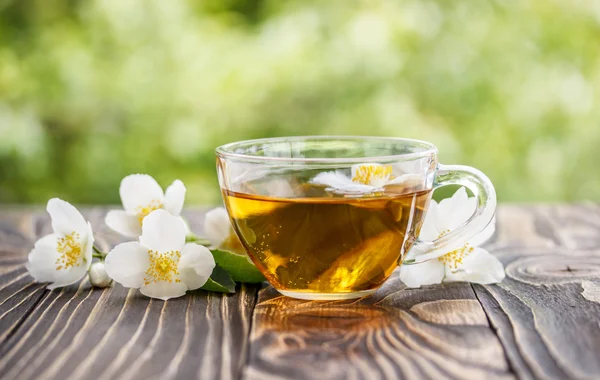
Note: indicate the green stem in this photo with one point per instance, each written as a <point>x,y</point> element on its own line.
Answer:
<point>98,253</point>
<point>409,262</point>
<point>193,238</point>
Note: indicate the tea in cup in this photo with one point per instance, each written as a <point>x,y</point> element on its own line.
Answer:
<point>327,218</point>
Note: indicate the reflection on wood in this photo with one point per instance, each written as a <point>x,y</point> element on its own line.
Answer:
<point>436,332</point>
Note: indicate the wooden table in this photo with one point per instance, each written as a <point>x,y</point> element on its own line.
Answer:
<point>543,321</point>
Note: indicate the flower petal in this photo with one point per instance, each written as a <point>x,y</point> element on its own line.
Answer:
<point>174,197</point>
<point>429,231</point>
<point>43,268</point>
<point>340,183</point>
<point>66,219</point>
<point>41,263</point>
<point>480,267</point>
<point>196,265</point>
<point>127,264</point>
<point>164,290</point>
<point>186,225</point>
<point>217,226</point>
<point>139,190</point>
<point>88,246</point>
<point>122,222</point>
<point>162,232</point>
<point>69,276</point>
<point>406,178</point>
<point>454,211</point>
<point>336,179</point>
<point>426,273</point>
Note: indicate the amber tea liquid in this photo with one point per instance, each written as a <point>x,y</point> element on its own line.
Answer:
<point>327,244</point>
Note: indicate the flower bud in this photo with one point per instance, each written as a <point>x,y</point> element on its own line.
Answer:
<point>98,276</point>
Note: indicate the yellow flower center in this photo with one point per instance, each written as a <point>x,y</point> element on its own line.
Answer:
<point>163,267</point>
<point>142,212</point>
<point>455,258</point>
<point>69,248</point>
<point>366,174</point>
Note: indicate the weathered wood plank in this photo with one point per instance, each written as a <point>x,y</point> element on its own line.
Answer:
<point>571,229</point>
<point>18,293</point>
<point>18,296</point>
<point>434,332</point>
<point>544,317</point>
<point>83,332</point>
<point>546,311</point>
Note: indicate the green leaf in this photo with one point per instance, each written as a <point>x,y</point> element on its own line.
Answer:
<point>219,281</point>
<point>238,266</point>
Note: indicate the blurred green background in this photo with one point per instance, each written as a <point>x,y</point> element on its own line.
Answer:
<point>91,91</point>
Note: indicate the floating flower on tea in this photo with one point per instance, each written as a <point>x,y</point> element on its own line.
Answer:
<point>364,179</point>
<point>140,195</point>
<point>468,263</point>
<point>64,256</point>
<point>161,264</point>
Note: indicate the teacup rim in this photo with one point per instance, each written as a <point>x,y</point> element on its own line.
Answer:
<point>226,151</point>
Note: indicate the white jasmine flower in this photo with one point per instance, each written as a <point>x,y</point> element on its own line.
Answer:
<point>364,179</point>
<point>217,226</point>
<point>220,233</point>
<point>161,264</point>
<point>140,195</point>
<point>98,276</point>
<point>64,256</point>
<point>468,263</point>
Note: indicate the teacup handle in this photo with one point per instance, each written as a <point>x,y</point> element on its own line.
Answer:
<point>485,194</point>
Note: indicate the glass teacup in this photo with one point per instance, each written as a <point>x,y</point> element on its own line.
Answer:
<point>330,217</point>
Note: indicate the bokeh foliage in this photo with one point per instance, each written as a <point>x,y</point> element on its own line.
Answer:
<point>91,91</point>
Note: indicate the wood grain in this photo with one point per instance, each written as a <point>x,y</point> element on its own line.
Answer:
<point>434,332</point>
<point>83,332</point>
<point>18,294</point>
<point>541,322</point>
<point>547,326</point>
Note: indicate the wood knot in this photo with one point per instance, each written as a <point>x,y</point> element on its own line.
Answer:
<point>553,269</point>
